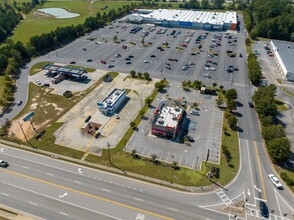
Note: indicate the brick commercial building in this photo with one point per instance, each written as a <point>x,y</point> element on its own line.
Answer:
<point>167,121</point>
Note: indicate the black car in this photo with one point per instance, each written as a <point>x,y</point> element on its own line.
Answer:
<point>46,84</point>
<point>263,209</point>
<point>89,60</point>
<point>131,56</point>
<point>128,58</point>
<point>129,62</point>
<point>229,70</point>
<point>3,163</point>
<point>236,69</point>
<point>250,104</point>
<point>152,56</point>
<point>240,55</point>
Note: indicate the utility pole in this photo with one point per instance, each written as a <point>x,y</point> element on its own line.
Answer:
<point>108,145</point>
<point>207,157</point>
<point>23,132</point>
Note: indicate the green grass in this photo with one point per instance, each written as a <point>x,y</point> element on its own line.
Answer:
<point>37,67</point>
<point>281,105</point>
<point>290,173</point>
<point>286,91</point>
<point>38,25</point>
<point>279,81</point>
<point>2,82</point>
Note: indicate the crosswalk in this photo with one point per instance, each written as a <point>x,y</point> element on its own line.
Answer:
<point>224,197</point>
<point>256,213</point>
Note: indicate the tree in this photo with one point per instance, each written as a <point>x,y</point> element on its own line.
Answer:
<point>231,105</point>
<point>214,84</point>
<point>133,73</point>
<point>159,85</point>
<point>153,158</point>
<point>175,165</point>
<point>148,101</point>
<point>134,153</point>
<point>219,101</point>
<point>232,121</point>
<point>197,84</point>
<point>140,75</point>
<point>221,87</point>
<point>218,4</point>
<point>231,94</point>
<point>272,132</point>
<point>133,124</point>
<point>146,76</point>
<point>279,149</point>
<point>141,112</point>
<point>114,38</point>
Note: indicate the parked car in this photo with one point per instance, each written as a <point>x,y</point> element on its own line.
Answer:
<point>146,61</point>
<point>131,56</point>
<point>46,84</point>
<point>18,103</point>
<point>263,209</point>
<point>250,104</point>
<point>72,62</point>
<point>240,55</point>
<point>67,94</point>
<point>89,60</point>
<point>275,181</point>
<point>194,112</point>
<point>103,61</point>
<point>270,55</point>
<point>38,82</point>
<point>129,62</point>
<point>110,66</point>
<point>3,163</point>
<point>152,56</point>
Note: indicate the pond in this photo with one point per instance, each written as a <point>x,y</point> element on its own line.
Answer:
<point>58,12</point>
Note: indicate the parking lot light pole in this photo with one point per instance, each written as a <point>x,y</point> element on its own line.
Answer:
<point>108,145</point>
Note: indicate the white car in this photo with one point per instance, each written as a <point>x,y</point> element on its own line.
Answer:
<point>146,61</point>
<point>207,68</point>
<point>212,68</point>
<point>38,82</point>
<point>275,181</point>
<point>207,75</point>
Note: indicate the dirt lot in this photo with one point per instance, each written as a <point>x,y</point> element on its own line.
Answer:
<point>112,129</point>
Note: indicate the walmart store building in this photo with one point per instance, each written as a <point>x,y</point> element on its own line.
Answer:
<point>187,19</point>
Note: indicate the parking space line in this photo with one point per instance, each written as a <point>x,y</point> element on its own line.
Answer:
<point>138,149</point>
<point>132,146</point>
<point>180,159</point>
<point>167,156</point>
<point>186,162</point>
<point>149,152</point>
<point>144,150</point>
<point>161,155</point>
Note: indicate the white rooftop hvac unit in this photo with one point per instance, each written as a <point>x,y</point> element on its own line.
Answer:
<point>160,121</point>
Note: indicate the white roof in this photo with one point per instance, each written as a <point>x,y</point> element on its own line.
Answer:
<point>193,16</point>
<point>169,116</point>
<point>112,98</point>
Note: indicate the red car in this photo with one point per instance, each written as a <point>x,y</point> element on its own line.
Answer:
<point>124,46</point>
<point>103,61</point>
<point>270,55</point>
<point>184,45</point>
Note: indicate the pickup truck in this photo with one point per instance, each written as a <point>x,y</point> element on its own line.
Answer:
<point>3,163</point>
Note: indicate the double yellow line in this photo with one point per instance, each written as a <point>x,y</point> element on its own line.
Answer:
<point>260,171</point>
<point>87,194</point>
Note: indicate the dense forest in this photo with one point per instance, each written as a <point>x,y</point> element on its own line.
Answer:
<point>270,19</point>
<point>9,18</point>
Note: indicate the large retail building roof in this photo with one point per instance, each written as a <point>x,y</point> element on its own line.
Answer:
<point>286,52</point>
<point>193,16</point>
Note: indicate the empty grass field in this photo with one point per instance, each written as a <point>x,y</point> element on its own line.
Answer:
<point>37,24</point>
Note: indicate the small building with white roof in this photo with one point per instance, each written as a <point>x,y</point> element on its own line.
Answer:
<point>112,102</point>
<point>189,19</point>
<point>284,55</point>
<point>167,121</point>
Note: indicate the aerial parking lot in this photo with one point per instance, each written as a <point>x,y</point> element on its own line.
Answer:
<point>163,52</point>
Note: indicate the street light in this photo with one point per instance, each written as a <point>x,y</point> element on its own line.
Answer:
<point>108,145</point>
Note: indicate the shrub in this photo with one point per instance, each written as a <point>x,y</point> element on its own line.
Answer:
<point>287,179</point>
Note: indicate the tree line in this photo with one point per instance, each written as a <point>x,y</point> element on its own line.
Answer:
<point>273,132</point>
<point>15,55</point>
<point>270,19</point>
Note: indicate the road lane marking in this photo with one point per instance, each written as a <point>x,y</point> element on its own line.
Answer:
<point>32,203</point>
<point>260,199</point>
<point>24,167</point>
<point>135,198</point>
<point>260,171</point>
<point>4,194</point>
<point>77,182</point>
<point>250,168</point>
<point>2,149</point>
<point>86,194</point>
<point>50,174</point>
<point>69,203</point>
<point>106,190</point>
<point>63,195</point>
<point>62,213</point>
<point>173,209</point>
<point>278,203</point>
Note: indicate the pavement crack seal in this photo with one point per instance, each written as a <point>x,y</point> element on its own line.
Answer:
<point>87,194</point>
